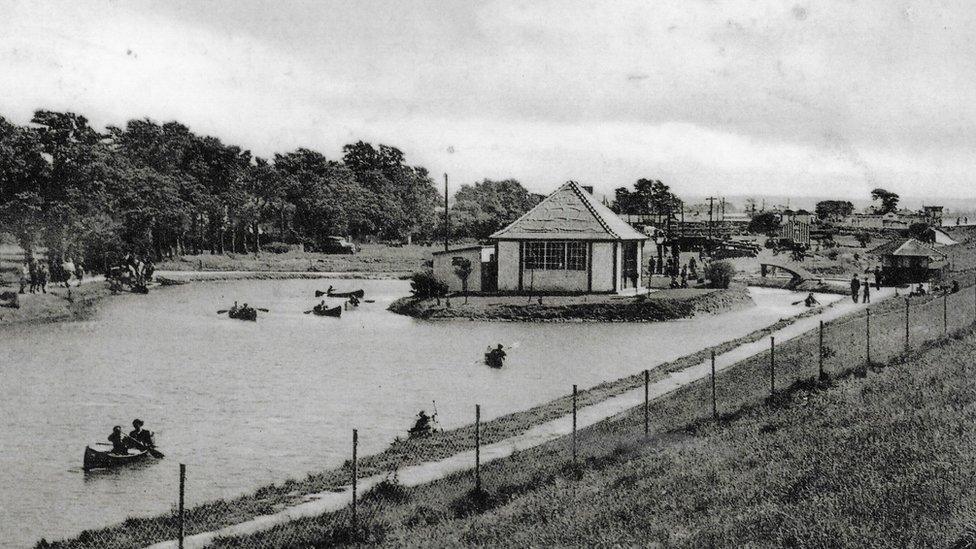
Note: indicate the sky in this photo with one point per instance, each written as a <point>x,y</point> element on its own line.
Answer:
<point>827,98</point>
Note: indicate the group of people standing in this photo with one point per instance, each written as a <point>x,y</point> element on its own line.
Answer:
<point>35,275</point>
<point>680,274</point>
<point>863,289</point>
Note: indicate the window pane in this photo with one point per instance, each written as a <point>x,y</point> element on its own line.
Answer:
<point>555,255</point>
<point>534,255</point>
<point>576,256</point>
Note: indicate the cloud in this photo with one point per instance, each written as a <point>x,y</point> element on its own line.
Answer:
<point>738,96</point>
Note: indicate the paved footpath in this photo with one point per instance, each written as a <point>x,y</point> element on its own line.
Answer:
<point>414,475</point>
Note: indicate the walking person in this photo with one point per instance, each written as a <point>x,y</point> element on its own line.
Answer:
<point>867,291</point>
<point>650,268</point>
<point>79,272</point>
<point>42,275</point>
<point>855,287</point>
<point>25,277</point>
<point>32,266</point>
<point>877,277</point>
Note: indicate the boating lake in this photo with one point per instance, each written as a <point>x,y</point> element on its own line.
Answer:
<point>245,404</point>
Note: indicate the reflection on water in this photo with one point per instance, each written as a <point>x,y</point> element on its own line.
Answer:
<point>248,403</point>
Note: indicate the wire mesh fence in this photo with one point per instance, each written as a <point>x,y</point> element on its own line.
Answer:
<point>846,346</point>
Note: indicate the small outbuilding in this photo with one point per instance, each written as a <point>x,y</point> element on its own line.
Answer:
<point>481,260</point>
<point>570,243</point>
<point>910,261</point>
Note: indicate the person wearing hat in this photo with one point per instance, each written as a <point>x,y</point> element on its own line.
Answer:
<point>118,441</point>
<point>141,436</point>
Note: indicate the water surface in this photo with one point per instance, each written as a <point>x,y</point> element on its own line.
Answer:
<point>245,404</point>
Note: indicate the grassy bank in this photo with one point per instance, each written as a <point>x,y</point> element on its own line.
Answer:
<point>872,457</point>
<point>56,305</point>
<point>653,307</point>
<point>372,258</point>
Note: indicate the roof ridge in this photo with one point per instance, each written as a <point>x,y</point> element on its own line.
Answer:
<point>586,201</point>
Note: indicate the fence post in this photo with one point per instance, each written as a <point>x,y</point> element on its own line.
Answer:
<point>945,314</point>
<point>772,366</point>
<point>574,425</point>
<point>820,353</point>
<point>907,305</point>
<point>714,404</point>
<point>647,383</point>
<point>182,508</point>
<point>355,472</point>
<point>868,331</point>
<point>477,447</point>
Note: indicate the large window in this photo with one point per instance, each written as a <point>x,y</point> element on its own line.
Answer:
<point>555,256</point>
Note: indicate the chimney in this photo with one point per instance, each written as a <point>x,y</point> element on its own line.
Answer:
<point>588,188</point>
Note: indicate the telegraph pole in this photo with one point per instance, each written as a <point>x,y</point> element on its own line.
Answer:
<point>711,211</point>
<point>447,217</point>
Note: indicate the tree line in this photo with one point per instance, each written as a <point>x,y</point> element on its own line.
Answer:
<point>161,190</point>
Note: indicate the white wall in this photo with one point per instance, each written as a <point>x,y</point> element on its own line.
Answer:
<point>444,269</point>
<point>603,266</point>
<point>554,281</point>
<point>508,266</point>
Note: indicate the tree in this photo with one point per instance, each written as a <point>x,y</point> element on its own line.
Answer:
<point>648,197</point>
<point>921,231</point>
<point>889,200</point>
<point>832,209</point>
<point>487,206</point>
<point>764,223</point>
<point>462,268</point>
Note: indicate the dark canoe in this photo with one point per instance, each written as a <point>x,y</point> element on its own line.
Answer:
<point>241,314</point>
<point>170,282</point>
<point>328,311</point>
<point>357,294</point>
<point>103,460</point>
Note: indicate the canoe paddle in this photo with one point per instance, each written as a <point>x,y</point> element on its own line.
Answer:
<point>152,451</point>
<point>222,311</point>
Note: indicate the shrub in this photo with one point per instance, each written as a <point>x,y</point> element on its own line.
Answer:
<point>863,239</point>
<point>276,248</point>
<point>424,285</point>
<point>719,274</point>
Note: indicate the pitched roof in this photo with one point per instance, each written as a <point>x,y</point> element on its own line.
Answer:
<point>569,213</point>
<point>910,247</point>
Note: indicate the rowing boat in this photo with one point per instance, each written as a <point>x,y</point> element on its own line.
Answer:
<point>243,314</point>
<point>103,460</point>
<point>329,311</point>
<point>330,293</point>
<point>170,282</point>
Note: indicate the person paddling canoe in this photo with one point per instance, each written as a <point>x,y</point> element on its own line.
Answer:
<point>117,438</point>
<point>142,437</point>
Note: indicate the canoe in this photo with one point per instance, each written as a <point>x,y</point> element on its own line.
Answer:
<point>170,282</point>
<point>329,311</point>
<point>241,314</point>
<point>357,293</point>
<point>103,460</point>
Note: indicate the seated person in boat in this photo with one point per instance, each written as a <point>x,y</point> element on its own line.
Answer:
<point>233,310</point>
<point>811,301</point>
<point>422,426</point>
<point>118,441</point>
<point>353,300</point>
<point>140,438</point>
<point>495,357</point>
<point>320,307</point>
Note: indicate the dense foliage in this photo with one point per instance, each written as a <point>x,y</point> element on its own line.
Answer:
<point>160,190</point>
<point>764,223</point>
<point>487,206</point>
<point>719,274</point>
<point>827,209</point>
<point>648,197</point>
<point>889,200</point>
<point>424,285</point>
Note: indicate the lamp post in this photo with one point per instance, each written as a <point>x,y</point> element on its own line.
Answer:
<point>659,240</point>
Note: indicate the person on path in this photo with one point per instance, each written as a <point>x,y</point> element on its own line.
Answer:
<point>79,272</point>
<point>855,287</point>
<point>867,291</point>
<point>25,277</point>
<point>877,277</point>
<point>42,273</point>
<point>650,268</point>
<point>67,269</point>
<point>32,265</point>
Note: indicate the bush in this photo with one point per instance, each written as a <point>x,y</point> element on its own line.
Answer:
<point>719,274</point>
<point>276,248</point>
<point>424,285</point>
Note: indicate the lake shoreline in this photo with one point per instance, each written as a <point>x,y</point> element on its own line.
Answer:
<point>659,306</point>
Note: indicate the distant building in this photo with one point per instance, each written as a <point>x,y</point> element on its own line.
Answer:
<point>900,220</point>
<point>908,260</point>
<point>569,242</point>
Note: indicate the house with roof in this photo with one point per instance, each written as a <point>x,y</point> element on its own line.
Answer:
<point>569,242</point>
<point>909,260</point>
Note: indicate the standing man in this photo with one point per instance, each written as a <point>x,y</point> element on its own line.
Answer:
<point>855,287</point>
<point>877,277</point>
<point>650,268</point>
<point>42,273</point>
<point>867,291</point>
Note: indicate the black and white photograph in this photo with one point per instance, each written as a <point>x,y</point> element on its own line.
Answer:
<point>557,273</point>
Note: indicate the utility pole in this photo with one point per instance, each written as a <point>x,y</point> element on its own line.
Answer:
<point>711,210</point>
<point>447,218</point>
